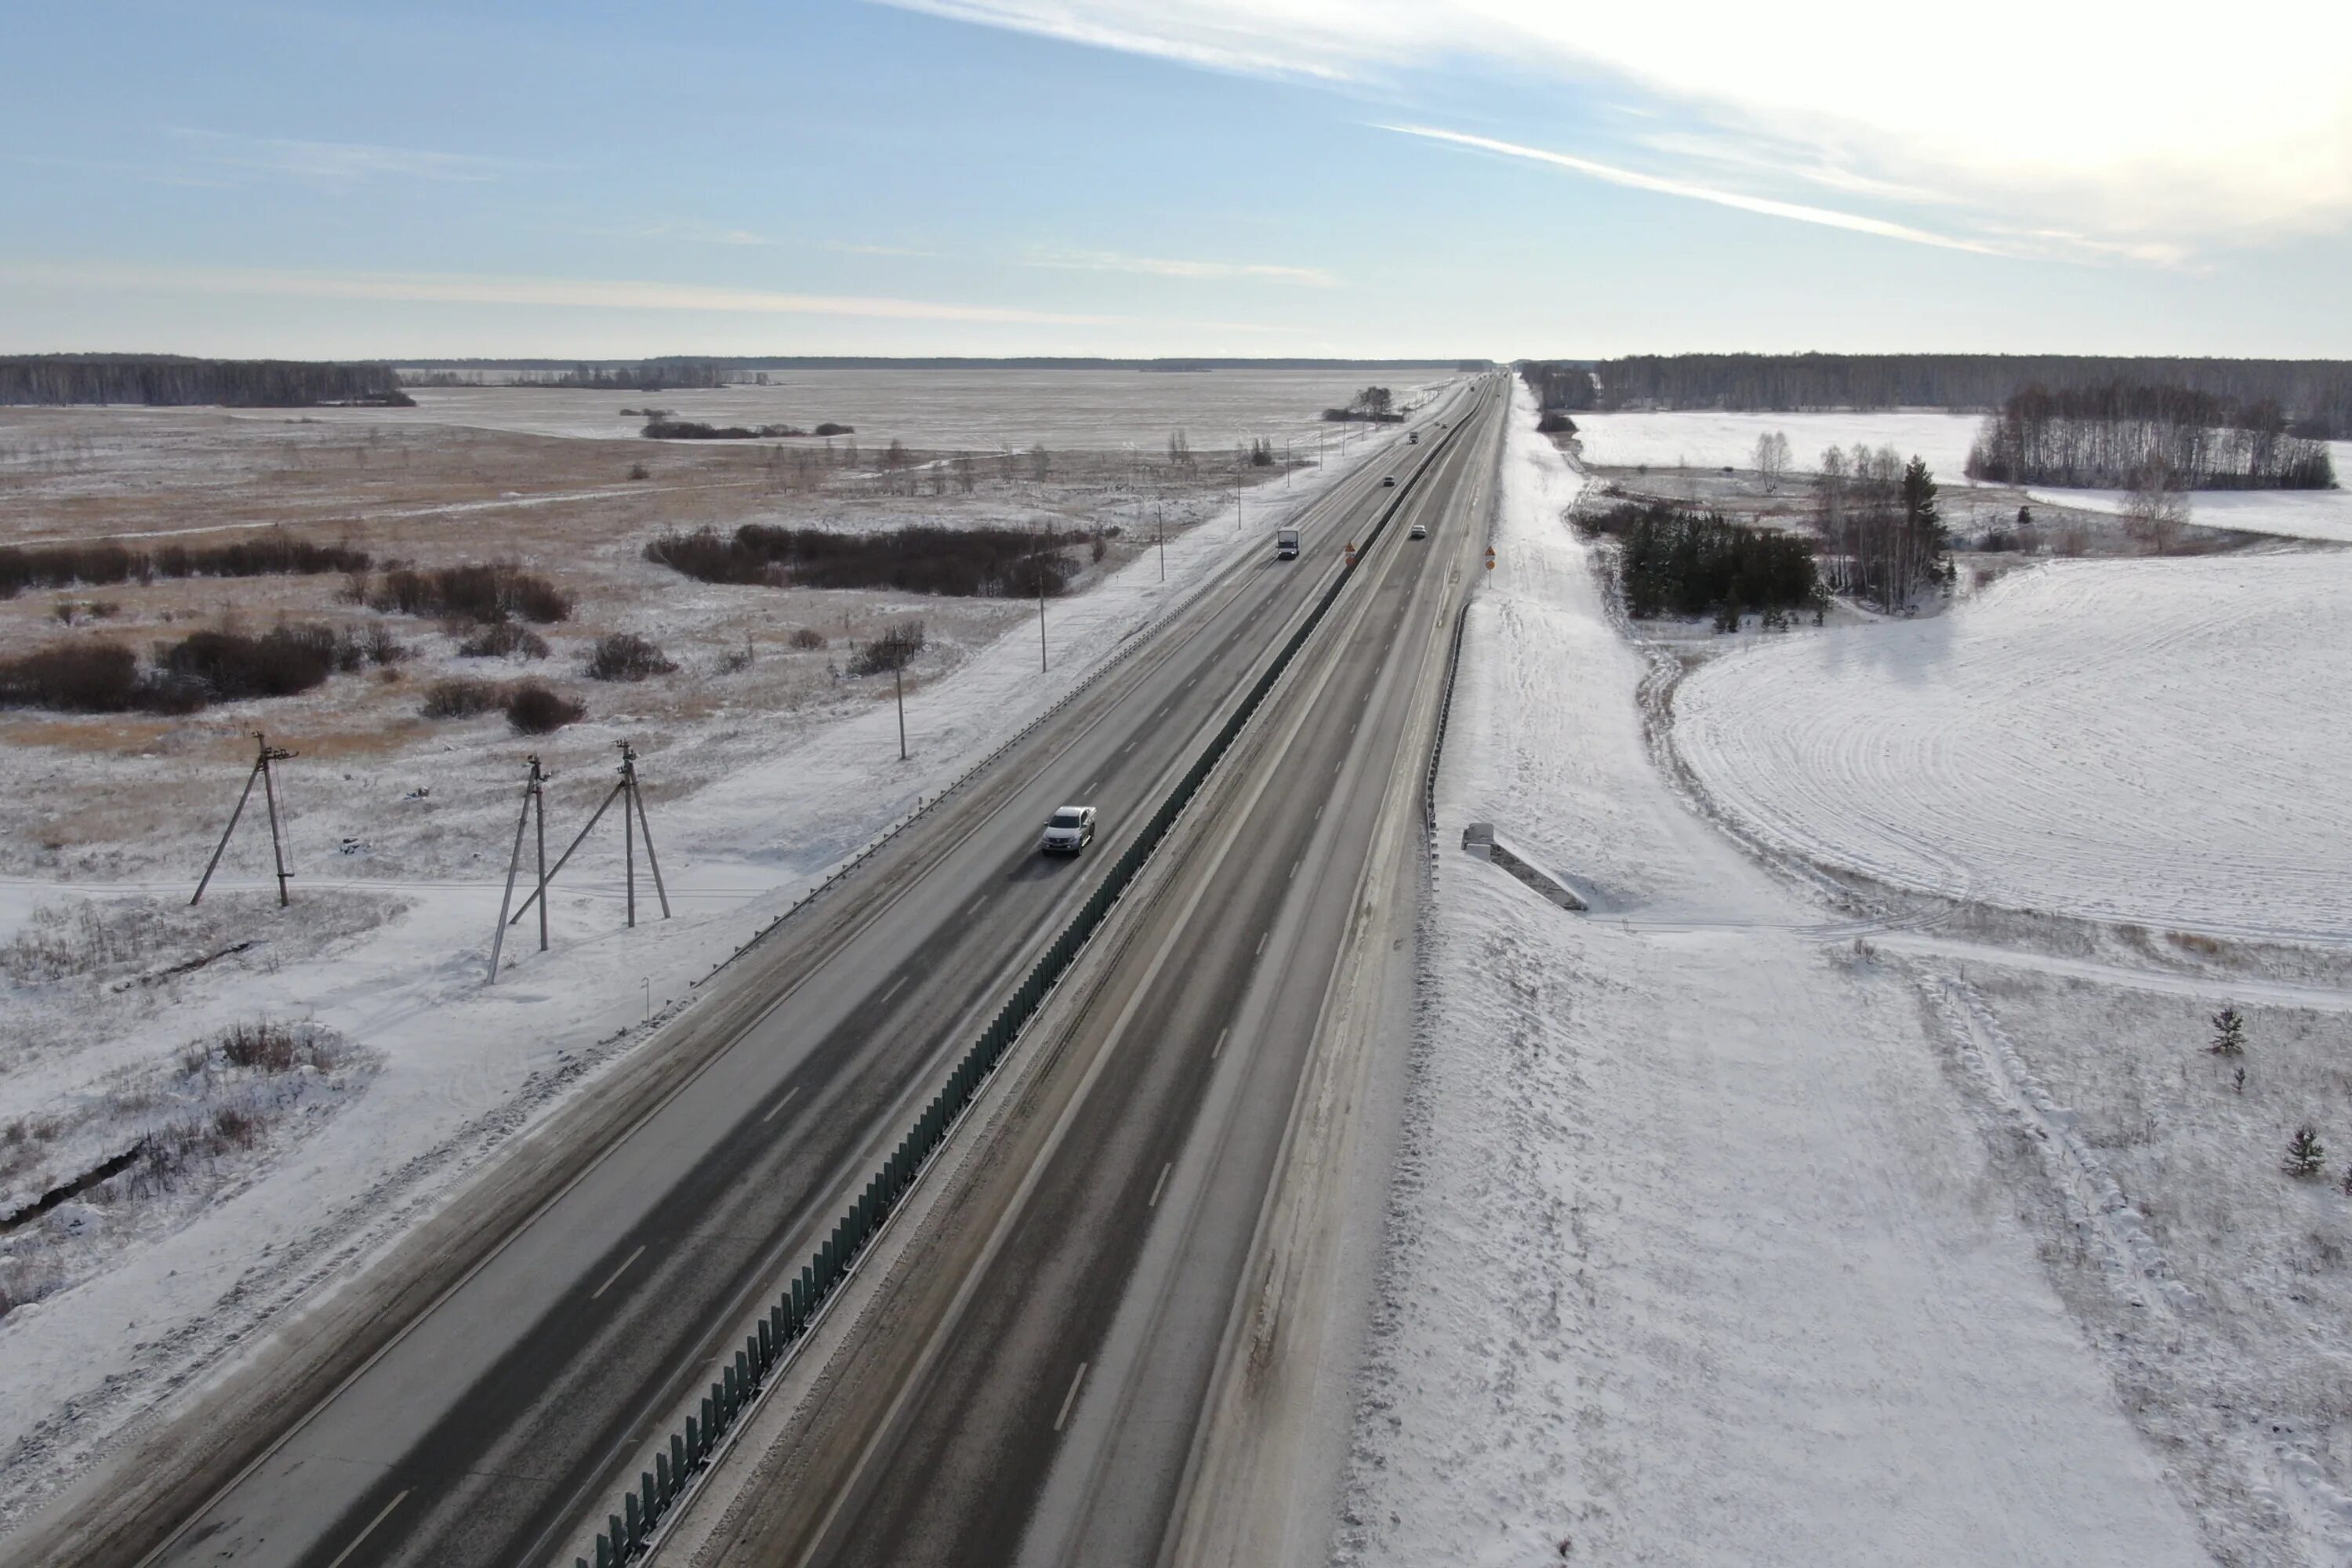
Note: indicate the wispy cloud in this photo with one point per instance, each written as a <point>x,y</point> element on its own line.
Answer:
<point>2180,136</point>
<point>848,248</point>
<point>1798,211</point>
<point>686,234</point>
<point>340,163</point>
<point>1167,266</point>
<point>492,289</point>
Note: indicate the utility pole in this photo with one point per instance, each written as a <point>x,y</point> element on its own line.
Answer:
<point>533,805</point>
<point>630,793</point>
<point>265,754</point>
<point>898,680</point>
<point>1038,555</point>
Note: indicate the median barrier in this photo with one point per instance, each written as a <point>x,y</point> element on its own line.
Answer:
<point>691,1451</point>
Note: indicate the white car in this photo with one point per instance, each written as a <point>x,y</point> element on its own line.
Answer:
<point>1419,530</point>
<point>1069,830</point>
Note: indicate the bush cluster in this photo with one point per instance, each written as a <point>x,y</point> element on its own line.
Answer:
<point>503,639</point>
<point>225,666</point>
<point>893,649</point>
<point>530,706</point>
<point>976,562</point>
<point>1680,562</point>
<point>493,591</point>
<point>624,656</point>
<point>274,554</point>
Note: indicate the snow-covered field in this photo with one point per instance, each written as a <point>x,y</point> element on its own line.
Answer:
<point>455,1070</point>
<point>1698,1256</point>
<point>1712,439</point>
<point>977,410</point>
<point>2138,741</point>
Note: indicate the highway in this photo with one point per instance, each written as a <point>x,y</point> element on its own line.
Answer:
<point>1048,1416</point>
<point>486,1423</point>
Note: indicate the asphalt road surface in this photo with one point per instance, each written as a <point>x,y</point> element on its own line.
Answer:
<point>497,1422</point>
<point>1052,1423</point>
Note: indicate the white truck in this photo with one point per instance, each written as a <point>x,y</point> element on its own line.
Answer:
<point>1285,543</point>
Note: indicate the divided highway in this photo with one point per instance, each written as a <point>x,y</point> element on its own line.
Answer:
<point>1051,1413</point>
<point>486,1425</point>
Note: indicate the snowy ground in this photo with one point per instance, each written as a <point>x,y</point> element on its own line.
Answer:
<point>1712,439</point>
<point>1698,1255</point>
<point>386,948</point>
<point>979,410</point>
<point>2121,740</point>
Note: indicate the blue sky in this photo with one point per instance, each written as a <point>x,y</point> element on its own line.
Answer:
<point>1184,176</point>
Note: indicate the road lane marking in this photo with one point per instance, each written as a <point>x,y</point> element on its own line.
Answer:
<point>975,903</point>
<point>1160,1184</point>
<point>1070,1398</point>
<point>1220,1045</point>
<point>614,1275</point>
<point>1261,941</point>
<point>1318,814</point>
<point>1129,747</point>
<point>344,1555</point>
<point>1337,765</point>
<point>780,1105</point>
<point>1293,871</point>
<point>895,989</point>
<point>1094,786</point>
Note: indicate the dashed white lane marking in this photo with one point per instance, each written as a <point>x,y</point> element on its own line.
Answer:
<point>1261,941</point>
<point>780,1105</point>
<point>343,1556</point>
<point>617,1273</point>
<point>1157,1185</point>
<point>1070,1398</point>
<point>896,988</point>
<point>1220,1045</point>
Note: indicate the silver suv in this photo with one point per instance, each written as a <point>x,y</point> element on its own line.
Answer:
<point>1069,830</point>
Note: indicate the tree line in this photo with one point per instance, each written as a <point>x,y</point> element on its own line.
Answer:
<point>979,563</point>
<point>2314,396</point>
<point>2121,434</point>
<point>1566,388</point>
<point>171,380</point>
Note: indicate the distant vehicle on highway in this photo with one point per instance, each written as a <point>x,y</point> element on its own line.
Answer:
<point>1388,482</point>
<point>1285,543</point>
<point>1420,531</point>
<point>1069,830</point>
<point>1413,438</point>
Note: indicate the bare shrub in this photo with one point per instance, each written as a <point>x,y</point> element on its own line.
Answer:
<point>533,709</point>
<point>893,649</point>
<point>474,592</point>
<point>626,655</point>
<point>268,1045</point>
<point>806,639</point>
<point>985,562</point>
<point>231,665</point>
<point>74,678</point>
<point>459,698</point>
<point>504,639</point>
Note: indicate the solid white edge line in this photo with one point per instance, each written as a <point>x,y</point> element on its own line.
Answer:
<point>615,1274</point>
<point>1067,1399</point>
<point>384,1513</point>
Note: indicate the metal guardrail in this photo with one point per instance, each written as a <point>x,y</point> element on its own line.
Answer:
<point>652,1501</point>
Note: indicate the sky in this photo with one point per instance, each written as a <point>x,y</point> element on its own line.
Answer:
<point>1366,178</point>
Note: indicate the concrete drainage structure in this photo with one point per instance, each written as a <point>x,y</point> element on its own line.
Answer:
<point>1480,842</point>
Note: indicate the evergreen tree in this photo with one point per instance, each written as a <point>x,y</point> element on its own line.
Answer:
<point>2304,1153</point>
<point>2228,1033</point>
<point>2347,1180</point>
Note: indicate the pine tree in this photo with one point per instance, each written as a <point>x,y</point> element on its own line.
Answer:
<point>2347,1180</point>
<point>2304,1153</point>
<point>2228,1033</point>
